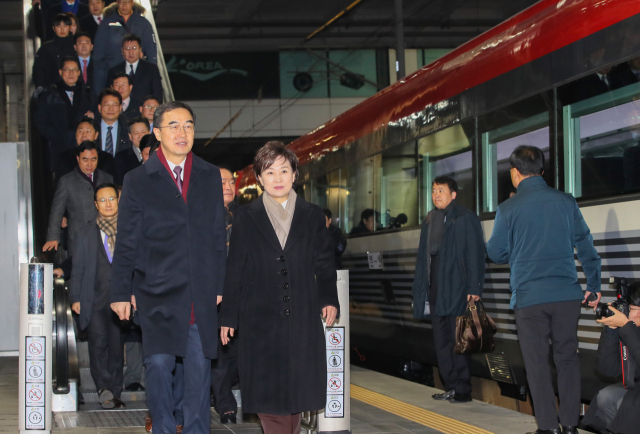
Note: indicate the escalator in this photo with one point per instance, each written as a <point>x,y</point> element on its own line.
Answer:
<point>72,380</point>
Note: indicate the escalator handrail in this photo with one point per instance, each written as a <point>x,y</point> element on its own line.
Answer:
<point>61,345</point>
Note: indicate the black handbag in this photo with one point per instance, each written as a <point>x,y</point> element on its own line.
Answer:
<point>475,330</point>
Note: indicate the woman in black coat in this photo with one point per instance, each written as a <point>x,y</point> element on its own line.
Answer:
<point>280,279</point>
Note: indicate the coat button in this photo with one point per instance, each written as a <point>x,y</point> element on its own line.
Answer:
<point>286,312</point>
<point>284,272</point>
<point>285,285</point>
<point>285,298</point>
<point>281,258</point>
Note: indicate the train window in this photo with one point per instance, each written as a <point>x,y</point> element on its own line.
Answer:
<point>523,123</point>
<point>601,133</point>
<point>328,191</point>
<point>396,195</point>
<point>447,153</point>
<point>359,194</point>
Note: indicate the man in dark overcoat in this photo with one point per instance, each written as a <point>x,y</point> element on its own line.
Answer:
<point>172,240</point>
<point>449,272</point>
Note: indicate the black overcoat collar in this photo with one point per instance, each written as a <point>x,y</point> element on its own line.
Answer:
<point>154,165</point>
<point>298,225</point>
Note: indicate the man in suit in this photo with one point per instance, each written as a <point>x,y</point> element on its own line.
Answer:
<point>149,106</point>
<point>90,68</point>
<point>171,253</point>
<point>113,132</point>
<point>89,296</point>
<point>130,106</point>
<point>80,10</point>
<point>89,23</point>
<point>131,158</point>
<point>145,76</point>
<point>74,195</point>
<point>626,73</point>
<point>50,54</point>
<point>60,107</point>
<point>85,130</point>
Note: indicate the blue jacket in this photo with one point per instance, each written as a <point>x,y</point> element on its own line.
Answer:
<point>536,232</point>
<point>107,46</point>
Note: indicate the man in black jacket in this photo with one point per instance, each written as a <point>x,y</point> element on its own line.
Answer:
<point>130,106</point>
<point>131,158</point>
<point>89,296</point>
<point>50,54</point>
<point>89,23</point>
<point>60,108</point>
<point>84,131</point>
<point>449,273</point>
<point>615,408</point>
<point>113,129</point>
<point>80,10</point>
<point>145,76</point>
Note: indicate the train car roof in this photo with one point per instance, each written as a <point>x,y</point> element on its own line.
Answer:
<point>541,29</point>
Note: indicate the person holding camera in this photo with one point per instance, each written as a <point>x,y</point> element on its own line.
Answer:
<point>615,408</point>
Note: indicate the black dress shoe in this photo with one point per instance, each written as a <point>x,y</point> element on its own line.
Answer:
<point>134,387</point>
<point>546,431</point>
<point>229,416</point>
<point>444,395</point>
<point>118,404</point>
<point>460,398</point>
<point>569,429</point>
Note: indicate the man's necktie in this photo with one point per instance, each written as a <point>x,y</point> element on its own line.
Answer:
<point>70,97</point>
<point>84,71</point>
<point>131,73</point>
<point>106,248</point>
<point>99,20</point>
<point>177,170</point>
<point>108,144</point>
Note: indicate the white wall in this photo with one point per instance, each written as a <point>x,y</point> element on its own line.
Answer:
<point>267,118</point>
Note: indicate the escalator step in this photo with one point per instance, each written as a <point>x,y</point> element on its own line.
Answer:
<point>126,396</point>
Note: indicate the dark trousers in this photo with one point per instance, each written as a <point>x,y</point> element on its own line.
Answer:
<point>224,372</point>
<point>197,378</point>
<point>178,391</point>
<point>536,325</point>
<point>455,369</point>
<point>106,350</point>
<point>277,424</point>
<point>608,401</point>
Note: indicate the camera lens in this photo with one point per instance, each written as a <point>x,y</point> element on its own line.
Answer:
<point>602,311</point>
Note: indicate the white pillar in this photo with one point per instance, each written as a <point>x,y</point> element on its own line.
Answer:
<point>35,379</point>
<point>336,417</point>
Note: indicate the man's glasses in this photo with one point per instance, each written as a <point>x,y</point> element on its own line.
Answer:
<point>188,128</point>
<point>111,105</point>
<point>151,107</point>
<point>110,199</point>
<point>73,71</point>
<point>130,48</point>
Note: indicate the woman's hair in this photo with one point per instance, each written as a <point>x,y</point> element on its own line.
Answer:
<point>268,154</point>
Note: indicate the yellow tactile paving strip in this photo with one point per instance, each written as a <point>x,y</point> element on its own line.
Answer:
<point>416,414</point>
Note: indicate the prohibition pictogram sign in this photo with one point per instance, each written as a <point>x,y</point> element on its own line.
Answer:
<point>35,348</point>
<point>335,361</point>
<point>335,339</point>
<point>334,406</point>
<point>335,384</point>
<point>35,371</point>
<point>35,417</point>
<point>35,394</point>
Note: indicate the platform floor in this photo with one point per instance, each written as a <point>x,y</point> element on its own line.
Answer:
<point>380,404</point>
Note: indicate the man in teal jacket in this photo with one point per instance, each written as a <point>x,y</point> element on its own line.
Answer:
<point>535,232</point>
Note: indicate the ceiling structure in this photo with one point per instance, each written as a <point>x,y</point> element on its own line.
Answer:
<point>199,26</point>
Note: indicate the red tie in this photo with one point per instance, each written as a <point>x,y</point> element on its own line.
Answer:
<point>84,71</point>
<point>99,20</point>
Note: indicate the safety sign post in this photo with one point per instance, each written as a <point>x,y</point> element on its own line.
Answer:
<point>336,417</point>
<point>36,307</point>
